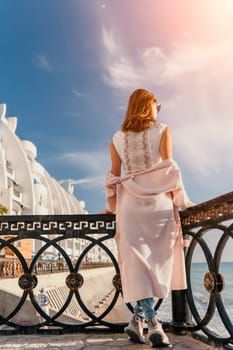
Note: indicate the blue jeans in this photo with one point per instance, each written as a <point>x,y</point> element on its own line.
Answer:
<point>145,308</point>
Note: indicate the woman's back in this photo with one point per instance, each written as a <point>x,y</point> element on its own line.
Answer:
<point>139,150</point>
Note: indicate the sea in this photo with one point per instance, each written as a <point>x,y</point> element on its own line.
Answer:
<point>201,296</point>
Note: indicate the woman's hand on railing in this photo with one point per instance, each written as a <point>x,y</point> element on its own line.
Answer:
<point>105,212</point>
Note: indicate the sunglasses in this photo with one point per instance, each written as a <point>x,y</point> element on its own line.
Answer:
<point>158,107</point>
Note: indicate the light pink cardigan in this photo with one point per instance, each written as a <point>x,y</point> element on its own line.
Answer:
<point>148,232</point>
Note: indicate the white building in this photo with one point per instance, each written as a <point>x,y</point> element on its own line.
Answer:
<point>26,188</point>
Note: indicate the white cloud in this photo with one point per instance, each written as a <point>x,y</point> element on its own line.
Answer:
<point>95,164</point>
<point>187,58</point>
<point>88,182</point>
<point>110,43</point>
<point>153,65</point>
<point>202,132</point>
<point>78,93</point>
<point>119,70</point>
<point>202,149</point>
<point>93,161</point>
<point>43,63</point>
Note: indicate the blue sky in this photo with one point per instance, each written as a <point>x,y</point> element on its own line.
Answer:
<point>67,68</point>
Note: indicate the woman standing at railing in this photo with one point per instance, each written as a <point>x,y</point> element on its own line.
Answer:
<point>145,200</point>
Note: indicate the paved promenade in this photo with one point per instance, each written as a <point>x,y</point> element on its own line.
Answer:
<point>91,341</point>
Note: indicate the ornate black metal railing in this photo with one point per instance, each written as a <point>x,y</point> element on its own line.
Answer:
<point>210,224</point>
<point>97,231</point>
<point>89,231</point>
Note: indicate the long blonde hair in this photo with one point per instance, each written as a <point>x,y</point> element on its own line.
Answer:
<point>139,114</point>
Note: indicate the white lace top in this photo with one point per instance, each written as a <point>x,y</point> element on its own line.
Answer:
<point>139,150</point>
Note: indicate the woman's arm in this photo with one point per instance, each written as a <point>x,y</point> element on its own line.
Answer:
<point>165,148</point>
<point>116,168</point>
<point>116,161</point>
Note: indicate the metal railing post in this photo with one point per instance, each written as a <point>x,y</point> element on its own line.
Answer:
<point>181,314</point>
<point>180,311</point>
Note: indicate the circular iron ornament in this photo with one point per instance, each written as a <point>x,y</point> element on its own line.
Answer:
<point>116,281</point>
<point>27,282</point>
<point>213,282</point>
<point>74,281</point>
<point>220,282</point>
<point>210,282</point>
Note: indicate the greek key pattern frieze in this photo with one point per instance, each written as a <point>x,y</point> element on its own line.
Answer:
<point>51,224</point>
<point>217,210</point>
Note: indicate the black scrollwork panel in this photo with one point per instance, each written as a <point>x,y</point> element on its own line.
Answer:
<point>198,223</point>
<point>62,234</point>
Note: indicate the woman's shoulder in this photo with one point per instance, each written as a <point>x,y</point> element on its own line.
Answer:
<point>162,127</point>
<point>159,127</point>
<point>117,136</point>
<point>117,133</point>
